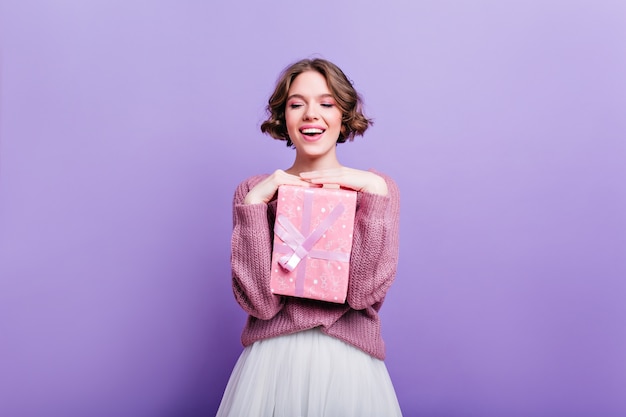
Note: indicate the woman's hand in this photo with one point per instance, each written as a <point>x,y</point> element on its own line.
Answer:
<point>264,191</point>
<point>354,179</point>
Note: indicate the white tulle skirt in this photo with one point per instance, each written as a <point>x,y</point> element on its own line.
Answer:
<point>308,374</point>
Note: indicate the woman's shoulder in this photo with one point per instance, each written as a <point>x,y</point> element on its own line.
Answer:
<point>252,180</point>
<point>246,185</point>
<point>380,173</point>
<point>391,183</point>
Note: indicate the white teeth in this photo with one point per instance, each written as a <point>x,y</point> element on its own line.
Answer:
<point>312,131</point>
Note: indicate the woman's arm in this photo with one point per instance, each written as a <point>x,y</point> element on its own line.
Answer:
<point>251,254</point>
<point>375,247</point>
<point>251,243</point>
<point>374,257</point>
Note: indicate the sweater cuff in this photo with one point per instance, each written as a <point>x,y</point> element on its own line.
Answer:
<point>374,205</point>
<point>250,214</point>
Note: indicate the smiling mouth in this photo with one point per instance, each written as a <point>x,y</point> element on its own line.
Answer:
<point>312,131</point>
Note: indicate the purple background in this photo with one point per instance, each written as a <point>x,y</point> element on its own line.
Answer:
<point>126,125</point>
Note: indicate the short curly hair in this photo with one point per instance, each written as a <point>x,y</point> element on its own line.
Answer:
<point>353,121</point>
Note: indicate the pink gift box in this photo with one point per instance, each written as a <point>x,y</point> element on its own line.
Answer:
<point>312,242</point>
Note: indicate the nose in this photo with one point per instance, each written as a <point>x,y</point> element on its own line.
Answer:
<point>310,113</point>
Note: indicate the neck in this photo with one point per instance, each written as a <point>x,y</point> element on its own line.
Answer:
<point>313,164</point>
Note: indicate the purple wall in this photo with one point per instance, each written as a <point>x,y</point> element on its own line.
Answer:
<point>126,125</point>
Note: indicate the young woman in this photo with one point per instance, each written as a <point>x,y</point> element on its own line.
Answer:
<point>305,357</point>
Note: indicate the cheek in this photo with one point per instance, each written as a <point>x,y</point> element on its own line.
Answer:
<point>338,121</point>
<point>339,117</point>
<point>289,119</point>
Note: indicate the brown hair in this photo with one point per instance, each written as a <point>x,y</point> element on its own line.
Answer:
<point>353,122</point>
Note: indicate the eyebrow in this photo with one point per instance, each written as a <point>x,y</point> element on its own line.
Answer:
<point>300,96</point>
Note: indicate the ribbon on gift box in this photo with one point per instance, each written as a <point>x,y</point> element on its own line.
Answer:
<point>299,244</point>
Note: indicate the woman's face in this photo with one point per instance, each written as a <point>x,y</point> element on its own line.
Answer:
<point>312,116</point>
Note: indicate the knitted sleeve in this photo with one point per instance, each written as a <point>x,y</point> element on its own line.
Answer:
<point>374,257</point>
<point>251,255</point>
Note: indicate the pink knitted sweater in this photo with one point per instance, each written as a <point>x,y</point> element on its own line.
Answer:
<point>373,265</point>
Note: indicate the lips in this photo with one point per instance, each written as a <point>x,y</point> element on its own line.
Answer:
<point>312,133</point>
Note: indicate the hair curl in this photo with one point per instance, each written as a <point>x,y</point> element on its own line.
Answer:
<point>353,121</point>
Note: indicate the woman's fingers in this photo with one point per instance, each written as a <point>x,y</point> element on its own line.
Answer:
<point>351,178</point>
<point>355,179</point>
<point>345,177</point>
<point>265,190</point>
